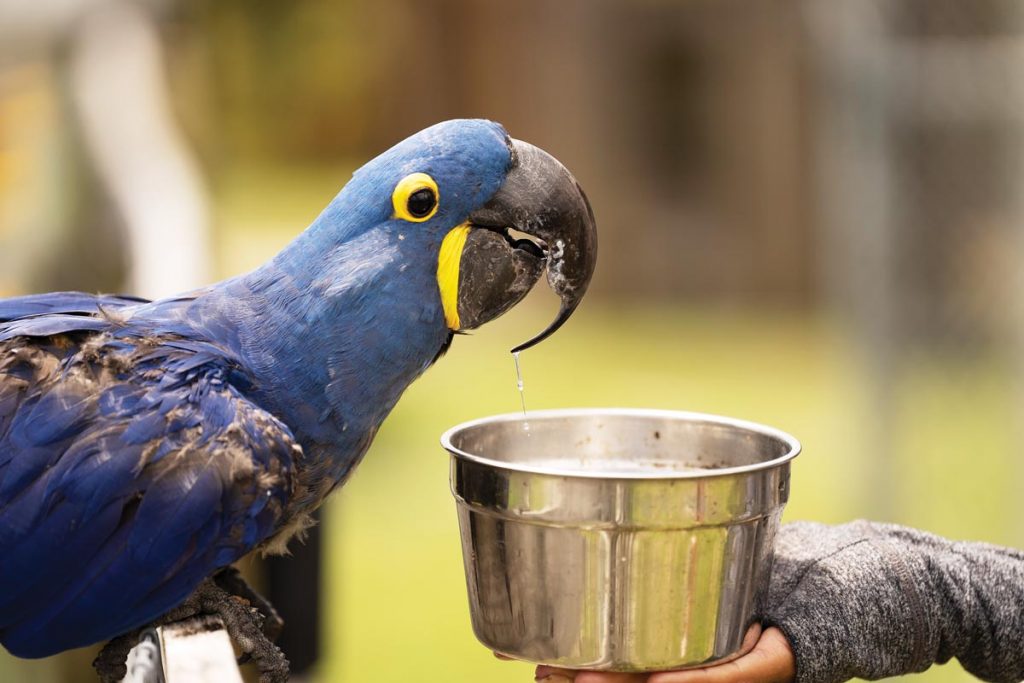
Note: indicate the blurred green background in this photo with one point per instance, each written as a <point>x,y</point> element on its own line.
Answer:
<point>810,216</point>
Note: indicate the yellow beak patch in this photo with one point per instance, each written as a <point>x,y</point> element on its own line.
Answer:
<point>448,272</point>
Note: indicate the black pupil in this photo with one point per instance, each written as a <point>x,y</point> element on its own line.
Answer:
<point>421,202</point>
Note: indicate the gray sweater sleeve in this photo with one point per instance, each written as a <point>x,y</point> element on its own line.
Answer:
<point>866,600</point>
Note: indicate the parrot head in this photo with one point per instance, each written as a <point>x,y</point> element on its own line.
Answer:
<point>492,213</point>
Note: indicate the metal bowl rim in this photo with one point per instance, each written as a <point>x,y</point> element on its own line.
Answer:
<point>764,430</point>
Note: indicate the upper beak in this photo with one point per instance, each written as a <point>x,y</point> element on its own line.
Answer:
<point>543,200</point>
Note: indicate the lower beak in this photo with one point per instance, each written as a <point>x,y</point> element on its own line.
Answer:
<point>543,201</point>
<point>482,274</point>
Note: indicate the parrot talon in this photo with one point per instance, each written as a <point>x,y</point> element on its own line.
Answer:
<point>231,581</point>
<point>247,625</point>
<point>248,618</point>
<point>111,662</point>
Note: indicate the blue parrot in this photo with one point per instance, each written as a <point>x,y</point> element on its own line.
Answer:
<point>145,446</point>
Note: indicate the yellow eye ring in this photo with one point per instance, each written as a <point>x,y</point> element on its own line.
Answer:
<point>415,198</point>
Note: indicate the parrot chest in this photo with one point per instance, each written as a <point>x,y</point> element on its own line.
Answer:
<point>333,374</point>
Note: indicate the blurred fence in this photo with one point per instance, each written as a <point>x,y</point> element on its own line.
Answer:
<point>919,146</point>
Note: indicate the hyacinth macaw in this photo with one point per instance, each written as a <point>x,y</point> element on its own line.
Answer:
<point>146,445</point>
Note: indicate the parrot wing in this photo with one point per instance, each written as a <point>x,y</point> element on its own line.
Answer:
<point>57,312</point>
<point>69,303</point>
<point>132,467</point>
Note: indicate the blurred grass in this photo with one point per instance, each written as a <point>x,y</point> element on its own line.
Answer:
<point>396,604</point>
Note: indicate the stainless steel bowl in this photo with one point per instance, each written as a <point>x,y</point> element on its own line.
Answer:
<point>615,539</point>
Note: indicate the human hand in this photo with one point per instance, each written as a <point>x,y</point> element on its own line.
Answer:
<point>770,661</point>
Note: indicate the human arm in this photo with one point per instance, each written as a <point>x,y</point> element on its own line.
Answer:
<point>869,600</point>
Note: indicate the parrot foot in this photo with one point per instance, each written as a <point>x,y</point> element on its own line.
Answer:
<point>111,663</point>
<point>230,579</point>
<point>248,618</point>
<point>250,621</point>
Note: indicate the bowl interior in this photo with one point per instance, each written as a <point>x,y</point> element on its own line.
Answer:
<point>621,443</point>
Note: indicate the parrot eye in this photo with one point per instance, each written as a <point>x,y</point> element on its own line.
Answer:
<point>422,202</point>
<point>415,198</point>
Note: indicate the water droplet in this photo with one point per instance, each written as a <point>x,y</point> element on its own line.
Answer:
<point>519,385</point>
<point>519,380</point>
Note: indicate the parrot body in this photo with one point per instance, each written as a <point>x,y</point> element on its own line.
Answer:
<point>144,445</point>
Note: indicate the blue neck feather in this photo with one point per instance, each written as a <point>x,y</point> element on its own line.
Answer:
<point>333,347</point>
<point>337,325</point>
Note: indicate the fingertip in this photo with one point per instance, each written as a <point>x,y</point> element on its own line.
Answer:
<point>752,637</point>
<point>768,659</point>
<point>551,674</point>
<point>703,675</point>
<point>608,677</point>
<point>778,650</point>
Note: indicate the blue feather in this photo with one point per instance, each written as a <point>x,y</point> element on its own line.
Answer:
<point>44,326</point>
<point>63,302</point>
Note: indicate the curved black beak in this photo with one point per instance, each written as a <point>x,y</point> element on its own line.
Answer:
<point>541,199</point>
